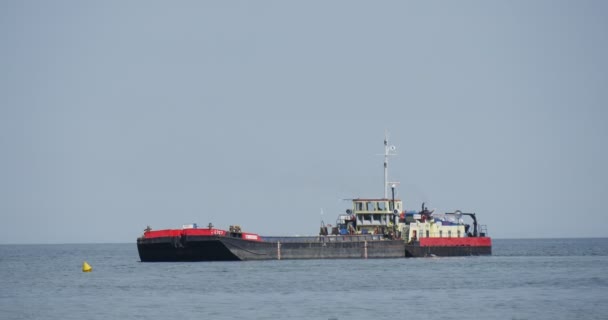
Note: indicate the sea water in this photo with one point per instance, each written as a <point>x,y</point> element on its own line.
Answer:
<point>524,279</point>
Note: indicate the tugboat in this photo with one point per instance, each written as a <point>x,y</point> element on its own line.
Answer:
<point>370,228</point>
<point>443,235</point>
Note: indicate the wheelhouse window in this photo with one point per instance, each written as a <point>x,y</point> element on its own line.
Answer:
<point>381,206</point>
<point>370,206</point>
<point>367,218</point>
<point>376,218</point>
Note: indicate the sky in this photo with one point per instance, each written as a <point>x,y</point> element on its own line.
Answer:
<point>115,115</point>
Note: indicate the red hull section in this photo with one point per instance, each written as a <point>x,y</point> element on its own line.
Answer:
<point>456,242</point>
<point>195,232</point>
<point>162,233</point>
<point>203,232</point>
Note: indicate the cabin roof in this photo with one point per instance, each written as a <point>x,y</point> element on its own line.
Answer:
<point>368,199</point>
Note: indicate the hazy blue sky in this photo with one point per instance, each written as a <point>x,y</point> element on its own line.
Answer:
<point>115,115</point>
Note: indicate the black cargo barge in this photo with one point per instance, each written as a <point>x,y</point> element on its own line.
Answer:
<point>227,248</point>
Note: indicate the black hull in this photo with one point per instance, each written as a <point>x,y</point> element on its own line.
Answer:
<point>416,251</point>
<point>232,249</point>
<point>175,249</point>
<point>220,248</point>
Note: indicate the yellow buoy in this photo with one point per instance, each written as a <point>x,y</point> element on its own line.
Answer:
<point>86,267</point>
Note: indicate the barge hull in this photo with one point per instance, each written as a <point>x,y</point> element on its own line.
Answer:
<point>220,248</point>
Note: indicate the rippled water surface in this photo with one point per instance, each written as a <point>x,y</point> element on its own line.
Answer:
<point>524,279</point>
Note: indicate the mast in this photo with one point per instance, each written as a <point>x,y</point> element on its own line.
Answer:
<point>385,163</point>
<point>387,152</point>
